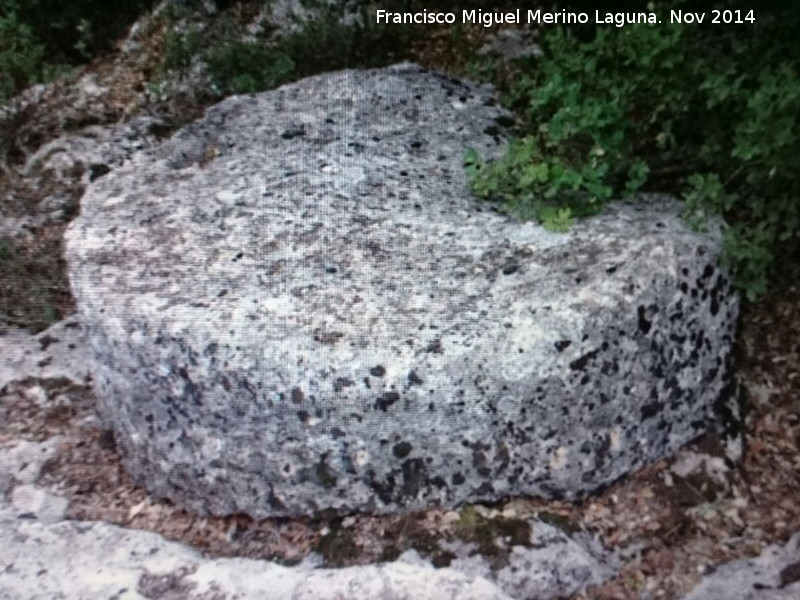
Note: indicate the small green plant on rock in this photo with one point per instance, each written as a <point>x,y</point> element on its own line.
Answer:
<point>485,533</point>
<point>338,546</point>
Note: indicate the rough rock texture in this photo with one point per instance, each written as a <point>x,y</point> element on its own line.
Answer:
<point>31,502</point>
<point>97,561</point>
<point>775,575</point>
<point>93,560</point>
<point>66,164</point>
<point>95,149</point>
<point>296,305</point>
<point>42,556</point>
<point>22,462</point>
<point>534,557</point>
<point>59,352</point>
<point>556,565</point>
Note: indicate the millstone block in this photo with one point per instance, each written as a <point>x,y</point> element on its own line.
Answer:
<point>295,305</point>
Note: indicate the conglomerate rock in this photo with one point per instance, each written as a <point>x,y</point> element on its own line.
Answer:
<point>295,305</point>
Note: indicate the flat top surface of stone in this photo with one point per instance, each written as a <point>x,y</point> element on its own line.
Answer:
<point>305,213</point>
<point>304,204</point>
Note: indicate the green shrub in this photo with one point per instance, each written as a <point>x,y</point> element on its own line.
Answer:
<point>20,54</point>
<point>40,39</point>
<point>330,42</point>
<point>696,111</point>
<point>76,30</point>
<point>247,67</point>
<point>237,64</point>
<point>179,49</point>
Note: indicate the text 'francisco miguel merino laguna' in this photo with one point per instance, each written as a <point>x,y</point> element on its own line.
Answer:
<point>490,18</point>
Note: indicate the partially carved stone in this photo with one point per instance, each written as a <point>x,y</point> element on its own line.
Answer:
<point>296,305</point>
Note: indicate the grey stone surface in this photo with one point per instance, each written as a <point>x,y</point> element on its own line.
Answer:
<point>555,566</point>
<point>22,461</point>
<point>296,305</point>
<point>92,152</point>
<point>40,558</point>
<point>60,351</point>
<point>96,561</point>
<point>31,502</point>
<point>98,148</point>
<point>62,166</point>
<point>775,575</point>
